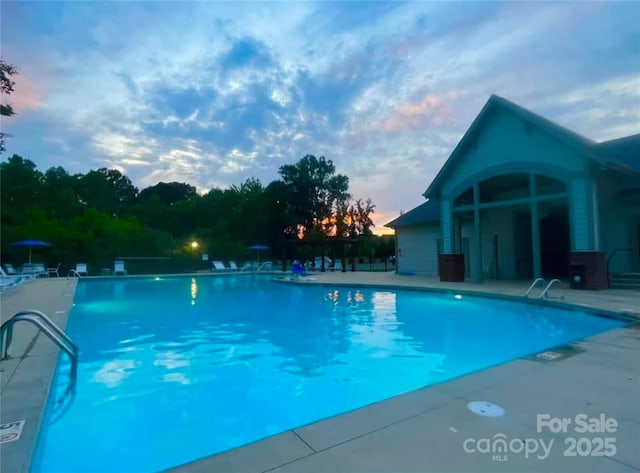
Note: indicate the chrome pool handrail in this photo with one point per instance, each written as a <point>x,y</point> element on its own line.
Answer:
<point>263,265</point>
<point>533,284</point>
<point>546,289</point>
<point>51,330</point>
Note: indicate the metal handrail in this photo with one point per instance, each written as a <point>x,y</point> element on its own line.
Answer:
<point>266,263</point>
<point>74,273</point>
<point>533,284</point>
<point>57,330</point>
<point>609,258</point>
<point>55,334</point>
<point>546,289</point>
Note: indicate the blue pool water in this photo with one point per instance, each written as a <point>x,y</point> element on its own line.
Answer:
<point>173,370</point>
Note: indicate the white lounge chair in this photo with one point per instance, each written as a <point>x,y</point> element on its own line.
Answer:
<point>118,268</point>
<point>52,271</point>
<point>7,281</point>
<point>10,271</point>
<point>10,282</point>
<point>219,266</point>
<point>233,266</point>
<point>337,265</point>
<point>33,269</point>
<point>81,269</point>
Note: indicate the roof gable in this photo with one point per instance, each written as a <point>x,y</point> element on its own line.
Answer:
<point>427,212</point>
<point>621,152</point>
<point>574,140</point>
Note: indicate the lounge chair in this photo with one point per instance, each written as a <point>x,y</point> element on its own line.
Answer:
<point>12,273</point>
<point>337,265</point>
<point>233,266</point>
<point>52,271</point>
<point>39,270</point>
<point>10,282</point>
<point>118,268</point>
<point>33,269</point>
<point>81,269</point>
<point>7,281</point>
<point>219,266</point>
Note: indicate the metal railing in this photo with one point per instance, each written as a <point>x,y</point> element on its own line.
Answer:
<point>534,284</point>
<point>546,289</point>
<point>609,258</point>
<point>264,265</point>
<point>51,330</point>
<point>74,273</point>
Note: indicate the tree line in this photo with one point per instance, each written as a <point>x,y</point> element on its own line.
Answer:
<point>98,216</point>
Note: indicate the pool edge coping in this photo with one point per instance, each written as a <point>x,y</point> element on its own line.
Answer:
<point>620,315</point>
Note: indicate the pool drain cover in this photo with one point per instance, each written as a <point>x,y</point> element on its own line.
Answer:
<point>485,408</point>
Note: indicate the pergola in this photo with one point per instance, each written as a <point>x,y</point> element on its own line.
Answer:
<point>336,248</point>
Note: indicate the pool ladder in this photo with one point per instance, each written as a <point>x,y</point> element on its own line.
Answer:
<point>266,264</point>
<point>74,274</point>
<point>46,326</point>
<point>546,287</point>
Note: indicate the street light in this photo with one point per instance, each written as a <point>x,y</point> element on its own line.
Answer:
<point>194,249</point>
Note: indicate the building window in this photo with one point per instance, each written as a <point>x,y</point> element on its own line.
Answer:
<point>466,198</point>
<point>504,187</point>
<point>546,185</point>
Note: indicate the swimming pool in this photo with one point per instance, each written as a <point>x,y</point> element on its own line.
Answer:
<point>176,369</point>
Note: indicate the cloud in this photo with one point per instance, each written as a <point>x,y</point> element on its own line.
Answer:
<point>214,93</point>
<point>246,53</point>
<point>27,96</point>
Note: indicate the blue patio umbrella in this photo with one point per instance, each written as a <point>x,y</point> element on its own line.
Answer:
<point>31,244</point>
<point>258,248</point>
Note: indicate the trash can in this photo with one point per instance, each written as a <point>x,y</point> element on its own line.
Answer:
<point>576,276</point>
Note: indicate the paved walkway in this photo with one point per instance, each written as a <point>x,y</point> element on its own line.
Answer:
<point>26,377</point>
<point>424,430</point>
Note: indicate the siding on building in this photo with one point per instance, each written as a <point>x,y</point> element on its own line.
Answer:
<point>619,227</point>
<point>506,140</point>
<point>507,144</point>
<point>418,249</point>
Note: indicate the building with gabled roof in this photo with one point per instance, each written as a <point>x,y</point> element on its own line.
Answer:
<point>521,197</point>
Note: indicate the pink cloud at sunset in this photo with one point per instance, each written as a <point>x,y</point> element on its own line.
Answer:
<point>431,112</point>
<point>27,95</point>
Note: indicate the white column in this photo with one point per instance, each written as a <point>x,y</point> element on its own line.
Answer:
<point>580,206</point>
<point>476,261</point>
<point>595,208</point>
<point>535,228</point>
<point>446,221</point>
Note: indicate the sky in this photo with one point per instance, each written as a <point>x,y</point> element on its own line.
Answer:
<point>212,93</point>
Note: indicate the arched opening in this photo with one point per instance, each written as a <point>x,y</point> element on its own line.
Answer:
<point>523,232</point>
<point>555,242</point>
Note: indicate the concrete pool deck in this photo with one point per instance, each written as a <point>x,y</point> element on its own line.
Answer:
<point>423,430</point>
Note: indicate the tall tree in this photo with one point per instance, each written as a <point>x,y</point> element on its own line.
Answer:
<point>6,88</point>
<point>20,186</point>
<point>315,191</point>
<point>169,192</point>
<point>360,221</point>
<point>60,194</point>
<point>108,190</point>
